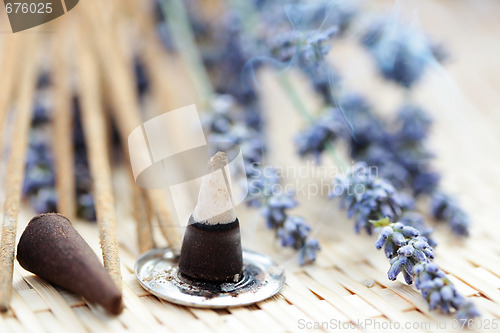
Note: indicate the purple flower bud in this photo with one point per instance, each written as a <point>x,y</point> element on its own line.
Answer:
<point>409,266</point>
<point>398,226</point>
<point>410,232</point>
<point>420,245</point>
<point>417,269</point>
<point>408,277</point>
<point>398,239</point>
<point>440,274</point>
<point>426,285</point>
<point>395,269</point>
<point>380,242</point>
<point>447,293</point>
<point>434,299</point>
<point>406,250</point>
<point>467,310</point>
<point>438,283</point>
<point>432,268</point>
<point>386,232</point>
<point>389,250</point>
<point>419,256</point>
<point>429,253</point>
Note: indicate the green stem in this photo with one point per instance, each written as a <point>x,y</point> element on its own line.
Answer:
<point>183,36</point>
<point>294,97</point>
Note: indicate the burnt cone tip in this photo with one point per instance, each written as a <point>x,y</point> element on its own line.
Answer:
<point>51,248</point>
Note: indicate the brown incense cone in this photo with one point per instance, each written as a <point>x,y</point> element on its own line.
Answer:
<point>51,248</point>
<point>212,252</point>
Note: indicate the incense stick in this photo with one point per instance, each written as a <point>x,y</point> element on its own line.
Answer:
<point>7,80</point>
<point>168,94</point>
<point>62,121</point>
<point>15,169</point>
<point>95,138</point>
<point>126,106</point>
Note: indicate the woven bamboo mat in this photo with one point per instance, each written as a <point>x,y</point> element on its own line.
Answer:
<point>348,283</point>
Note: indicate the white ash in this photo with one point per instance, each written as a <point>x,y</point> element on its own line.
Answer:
<point>215,205</point>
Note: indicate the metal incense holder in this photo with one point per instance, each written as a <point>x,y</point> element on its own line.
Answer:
<point>158,272</point>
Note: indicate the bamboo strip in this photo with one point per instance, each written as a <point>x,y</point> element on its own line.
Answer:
<point>3,325</point>
<point>209,318</point>
<point>61,310</point>
<point>134,305</point>
<point>254,320</point>
<point>15,169</point>
<point>408,293</point>
<point>49,321</point>
<point>283,313</point>
<point>23,313</point>
<point>93,323</point>
<point>167,318</point>
<point>62,121</point>
<point>143,219</point>
<point>126,108</point>
<point>95,138</point>
<point>369,296</point>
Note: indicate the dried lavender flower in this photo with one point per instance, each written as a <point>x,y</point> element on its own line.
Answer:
<point>293,232</point>
<point>445,208</point>
<point>275,209</point>
<point>416,220</point>
<point>415,123</point>
<point>410,254</point>
<point>400,156</point>
<point>323,131</point>
<point>440,292</point>
<point>366,197</point>
<point>307,254</point>
<point>401,52</point>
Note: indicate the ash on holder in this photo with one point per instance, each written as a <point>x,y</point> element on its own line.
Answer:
<point>212,270</point>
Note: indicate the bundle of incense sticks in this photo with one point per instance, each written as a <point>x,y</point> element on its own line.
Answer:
<point>105,81</point>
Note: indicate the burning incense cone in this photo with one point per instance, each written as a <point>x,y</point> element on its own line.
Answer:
<point>211,249</point>
<point>51,248</point>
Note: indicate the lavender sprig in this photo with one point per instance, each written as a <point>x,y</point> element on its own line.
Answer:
<point>401,156</point>
<point>401,52</point>
<point>444,207</point>
<point>404,245</point>
<point>292,230</point>
<point>410,254</point>
<point>368,197</point>
<point>315,139</point>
